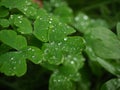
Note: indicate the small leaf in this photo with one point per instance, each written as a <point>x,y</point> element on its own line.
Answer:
<point>60,82</point>
<point>23,24</point>
<point>11,38</point>
<point>33,53</point>
<point>4,23</point>
<point>13,63</point>
<point>113,84</point>
<point>52,53</point>
<point>71,65</point>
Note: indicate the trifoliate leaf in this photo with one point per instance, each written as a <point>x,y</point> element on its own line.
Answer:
<point>23,24</point>
<point>13,63</point>
<point>11,38</point>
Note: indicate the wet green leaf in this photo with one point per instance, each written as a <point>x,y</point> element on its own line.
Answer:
<point>48,28</point>
<point>104,42</point>
<point>11,38</point>
<point>60,82</point>
<point>23,24</point>
<point>33,53</point>
<point>13,63</point>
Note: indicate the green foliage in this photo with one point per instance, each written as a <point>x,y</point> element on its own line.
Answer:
<point>75,50</point>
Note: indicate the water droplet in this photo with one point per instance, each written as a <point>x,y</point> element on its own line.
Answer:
<point>75,58</point>
<point>29,49</point>
<point>33,50</point>
<point>50,22</point>
<point>65,39</point>
<point>33,56</point>
<point>25,9</point>
<point>11,16</point>
<point>11,58</point>
<point>59,80</point>
<point>77,18</point>
<point>51,19</point>
<point>14,68</point>
<point>59,43</point>
<point>20,21</point>
<point>85,17</point>
<point>72,62</point>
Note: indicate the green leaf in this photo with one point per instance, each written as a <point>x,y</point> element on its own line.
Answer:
<point>15,3</point>
<point>4,23</point>
<point>73,44</point>
<point>33,53</point>
<point>60,82</point>
<point>111,66</point>
<point>104,42</point>
<point>65,14</point>
<point>3,12</point>
<point>71,65</point>
<point>13,63</point>
<point>11,38</point>
<point>53,53</point>
<point>23,24</point>
<point>118,30</point>
<point>83,23</point>
<point>48,28</point>
<point>113,84</point>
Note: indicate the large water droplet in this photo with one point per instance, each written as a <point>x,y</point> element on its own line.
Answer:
<point>65,39</point>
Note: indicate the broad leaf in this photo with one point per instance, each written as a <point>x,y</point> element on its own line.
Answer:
<point>13,63</point>
<point>11,38</point>
<point>60,82</point>
<point>104,42</point>
<point>111,66</point>
<point>23,24</point>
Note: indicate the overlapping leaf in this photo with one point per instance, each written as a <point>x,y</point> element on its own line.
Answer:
<point>4,23</point>
<point>48,28</point>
